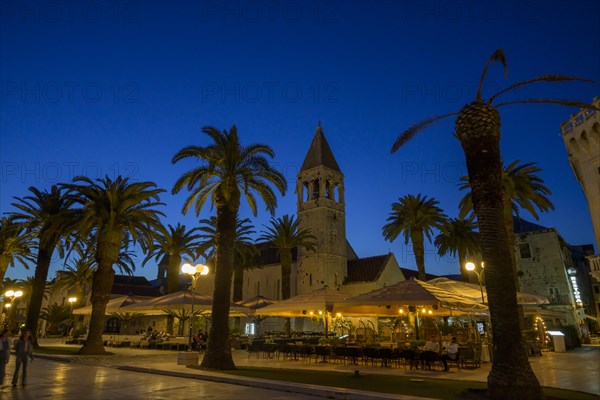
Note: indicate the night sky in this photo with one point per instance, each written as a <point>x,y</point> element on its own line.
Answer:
<point>117,88</point>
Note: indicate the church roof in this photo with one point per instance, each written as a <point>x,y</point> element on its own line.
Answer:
<point>411,273</point>
<point>319,153</point>
<point>136,285</point>
<point>366,269</point>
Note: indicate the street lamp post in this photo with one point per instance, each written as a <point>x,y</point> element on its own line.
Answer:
<point>12,294</point>
<point>72,300</point>
<point>195,272</point>
<point>471,268</point>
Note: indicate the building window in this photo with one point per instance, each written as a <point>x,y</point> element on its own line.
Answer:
<point>310,279</point>
<point>524,250</point>
<point>596,289</point>
<point>315,194</point>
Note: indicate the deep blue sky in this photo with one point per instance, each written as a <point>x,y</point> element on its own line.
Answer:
<point>119,87</point>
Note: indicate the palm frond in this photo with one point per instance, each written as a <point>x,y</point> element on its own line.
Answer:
<point>411,132</point>
<point>542,78</point>
<point>498,56</point>
<point>568,103</point>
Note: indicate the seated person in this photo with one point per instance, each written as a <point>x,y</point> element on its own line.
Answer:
<point>450,353</point>
<point>430,351</point>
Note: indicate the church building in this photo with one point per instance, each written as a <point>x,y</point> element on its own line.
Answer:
<point>322,210</point>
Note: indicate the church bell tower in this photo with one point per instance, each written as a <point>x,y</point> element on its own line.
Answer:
<point>321,209</point>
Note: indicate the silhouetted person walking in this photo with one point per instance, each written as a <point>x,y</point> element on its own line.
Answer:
<point>23,350</point>
<point>4,354</point>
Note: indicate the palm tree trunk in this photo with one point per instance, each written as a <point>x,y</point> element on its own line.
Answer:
<point>285,257</point>
<point>174,261</point>
<point>238,283</point>
<point>511,377</point>
<point>37,291</point>
<point>104,278</point>
<point>419,249</point>
<point>509,225</point>
<point>173,273</point>
<point>4,263</point>
<point>218,354</point>
<point>464,274</point>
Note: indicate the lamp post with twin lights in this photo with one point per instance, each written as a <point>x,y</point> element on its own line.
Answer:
<point>471,268</point>
<point>195,272</point>
<point>12,295</point>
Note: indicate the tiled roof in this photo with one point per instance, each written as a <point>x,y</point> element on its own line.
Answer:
<point>319,153</point>
<point>137,285</point>
<point>366,269</point>
<point>411,273</point>
<point>135,290</point>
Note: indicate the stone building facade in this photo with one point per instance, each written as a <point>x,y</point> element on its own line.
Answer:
<point>581,134</point>
<point>545,267</point>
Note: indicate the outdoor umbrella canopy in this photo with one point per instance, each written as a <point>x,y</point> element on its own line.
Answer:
<point>300,306</point>
<point>256,302</point>
<point>181,300</point>
<point>118,304</point>
<point>390,300</point>
<point>473,291</point>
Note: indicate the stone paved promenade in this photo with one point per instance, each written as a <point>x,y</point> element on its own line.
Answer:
<point>575,370</point>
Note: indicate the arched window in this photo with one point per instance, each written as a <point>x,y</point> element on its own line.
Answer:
<point>315,193</point>
<point>306,190</point>
<point>328,190</point>
<point>584,140</point>
<point>337,195</point>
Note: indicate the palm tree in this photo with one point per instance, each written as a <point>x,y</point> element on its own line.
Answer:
<point>55,315</point>
<point>14,245</point>
<point>48,216</point>
<point>283,235</point>
<point>458,236</point>
<point>174,243</point>
<point>415,218</point>
<point>228,170</point>
<point>77,276</point>
<point>245,251</point>
<point>478,130</point>
<point>521,189</point>
<point>114,214</point>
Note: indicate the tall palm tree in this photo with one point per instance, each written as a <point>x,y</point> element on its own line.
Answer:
<point>245,251</point>
<point>78,276</point>
<point>15,245</point>
<point>114,213</point>
<point>458,236</point>
<point>174,243</point>
<point>414,217</point>
<point>283,235</point>
<point>227,171</point>
<point>48,216</point>
<point>522,188</point>
<point>478,130</point>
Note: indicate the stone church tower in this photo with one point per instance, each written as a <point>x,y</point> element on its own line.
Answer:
<point>320,190</point>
